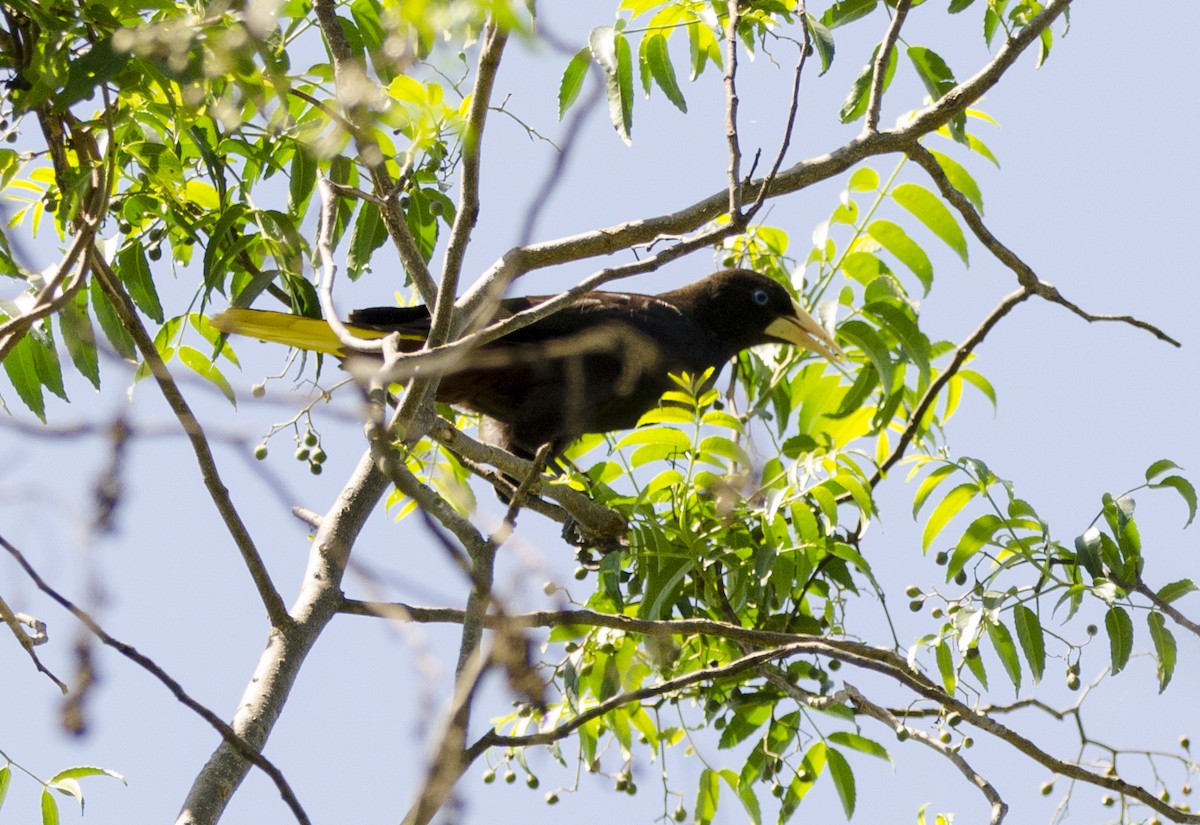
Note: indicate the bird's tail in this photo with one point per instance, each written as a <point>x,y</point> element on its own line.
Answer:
<point>312,334</point>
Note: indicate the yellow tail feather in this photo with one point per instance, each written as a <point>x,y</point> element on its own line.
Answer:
<point>311,334</point>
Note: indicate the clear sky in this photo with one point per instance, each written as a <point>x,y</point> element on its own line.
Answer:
<point>1097,192</point>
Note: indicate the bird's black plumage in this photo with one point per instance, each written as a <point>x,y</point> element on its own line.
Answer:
<point>601,362</point>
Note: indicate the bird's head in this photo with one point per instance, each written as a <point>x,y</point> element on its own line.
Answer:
<point>745,309</point>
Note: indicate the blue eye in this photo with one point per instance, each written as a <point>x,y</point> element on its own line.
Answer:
<point>761,297</point>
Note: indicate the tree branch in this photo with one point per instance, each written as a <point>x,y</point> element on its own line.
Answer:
<point>232,739</point>
<point>864,706</point>
<point>217,490</point>
<point>606,241</point>
<point>1026,277</point>
<point>879,69</point>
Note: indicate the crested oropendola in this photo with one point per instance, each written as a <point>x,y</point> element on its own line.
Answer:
<point>594,366</point>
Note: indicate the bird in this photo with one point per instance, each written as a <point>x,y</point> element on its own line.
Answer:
<point>595,366</point>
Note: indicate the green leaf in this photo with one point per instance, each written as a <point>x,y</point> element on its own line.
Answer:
<point>97,66</point>
<point>611,51</point>
<point>707,795</point>
<point>5,781</point>
<point>655,55</point>
<point>1033,642</point>
<point>822,40</point>
<point>945,663</point>
<point>1184,487</point>
<point>895,240</point>
<point>1165,650</point>
<point>1002,641</point>
<point>1176,590</point>
<point>134,271</point>
<point>980,383</point>
<point>847,11</point>
<point>978,534</point>
<point>21,367</point>
<point>1120,636</point>
<point>929,210</point>
<point>110,322</point>
<point>975,665</point>
<point>864,179</point>
<point>900,323</point>
<point>960,179</point>
<point>49,808</point>
<point>864,336</point>
<point>859,743</point>
<point>79,337</point>
<point>572,81</point>
<point>855,105</point>
<point>369,234</point>
<point>843,780</point>
<point>301,180</point>
<point>938,80</point>
<point>1159,467</point>
<point>199,363</point>
<point>947,509</point>
<point>929,485</point>
<point>813,764</point>
<point>959,5</point>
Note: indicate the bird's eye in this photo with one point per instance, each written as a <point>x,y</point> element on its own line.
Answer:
<point>761,297</point>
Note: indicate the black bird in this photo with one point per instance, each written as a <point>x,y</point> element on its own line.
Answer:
<point>594,366</point>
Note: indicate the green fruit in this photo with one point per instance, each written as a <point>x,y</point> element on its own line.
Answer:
<point>260,452</point>
<point>258,390</point>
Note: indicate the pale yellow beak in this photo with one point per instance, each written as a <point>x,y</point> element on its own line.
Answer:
<point>804,331</point>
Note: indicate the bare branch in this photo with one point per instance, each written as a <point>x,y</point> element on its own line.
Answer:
<point>734,148</point>
<point>17,622</point>
<point>348,74</point>
<point>217,490</point>
<point>1166,607</point>
<point>494,39</point>
<point>961,354</point>
<point>47,301</point>
<point>879,69</point>
<point>864,706</point>
<point>328,272</point>
<point>243,748</point>
<point>596,520</point>
<point>790,123</point>
<point>268,689</point>
<point>612,239</point>
<point>1025,275</point>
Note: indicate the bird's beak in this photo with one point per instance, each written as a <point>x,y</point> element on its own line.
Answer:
<point>803,330</point>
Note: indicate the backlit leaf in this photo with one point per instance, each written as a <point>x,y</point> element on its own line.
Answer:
<point>572,81</point>
<point>1120,636</point>
<point>1165,650</point>
<point>929,210</point>
<point>1033,643</point>
<point>1002,641</point>
<point>947,509</point>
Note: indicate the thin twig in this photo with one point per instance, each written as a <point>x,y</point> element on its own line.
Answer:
<point>879,69</point>
<point>608,240</point>
<point>866,707</point>
<point>961,355</point>
<point>16,623</point>
<point>733,145</point>
<point>1025,274</point>
<point>243,748</point>
<point>217,491</point>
